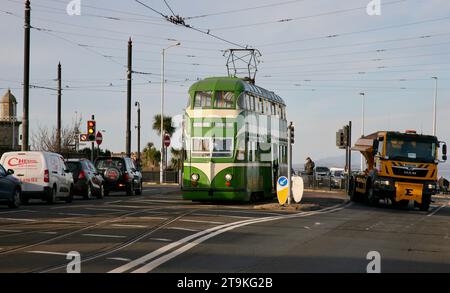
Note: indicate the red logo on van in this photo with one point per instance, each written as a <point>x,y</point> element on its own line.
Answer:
<point>16,162</point>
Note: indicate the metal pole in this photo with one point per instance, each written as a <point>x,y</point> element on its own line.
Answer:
<point>289,163</point>
<point>58,123</point>
<point>161,164</point>
<point>362,127</point>
<point>93,146</point>
<point>138,133</point>
<point>349,154</point>
<point>26,78</point>
<point>129,71</point>
<point>435,105</point>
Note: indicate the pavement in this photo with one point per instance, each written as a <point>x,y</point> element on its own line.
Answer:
<point>161,232</point>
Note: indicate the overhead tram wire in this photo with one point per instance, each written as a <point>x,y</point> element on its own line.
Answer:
<point>242,9</point>
<point>177,20</point>
<point>285,20</point>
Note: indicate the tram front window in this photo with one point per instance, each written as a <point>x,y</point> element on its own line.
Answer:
<point>200,147</point>
<point>203,100</point>
<point>224,100</point>
<point>222,147</point>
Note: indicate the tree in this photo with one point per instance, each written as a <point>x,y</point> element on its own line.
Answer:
<point>168,127</point>
<point>44,139</point>
<point>151,157</point>
<point>177,156</point>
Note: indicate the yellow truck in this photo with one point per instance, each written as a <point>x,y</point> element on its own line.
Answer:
<point>400,167</point>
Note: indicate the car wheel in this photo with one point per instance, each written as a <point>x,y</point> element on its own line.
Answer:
<point>88,194</point>
<point>130,190</point>
<point>16,199</point>
<point>69,198</point>
<point>139,191</point>
<point>100,193</point>
<point>52,195</point>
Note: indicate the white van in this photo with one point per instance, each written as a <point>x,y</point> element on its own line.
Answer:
<point>43,175</point>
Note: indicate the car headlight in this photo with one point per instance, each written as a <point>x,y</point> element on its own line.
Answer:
<point>385,182</point>
<point>195,177</point>
<point>228,177</point>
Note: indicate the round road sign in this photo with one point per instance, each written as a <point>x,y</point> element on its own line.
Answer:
<point>99,138</point>
<point>166,140</point>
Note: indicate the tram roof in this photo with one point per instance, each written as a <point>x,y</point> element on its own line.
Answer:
<point>234,83</point>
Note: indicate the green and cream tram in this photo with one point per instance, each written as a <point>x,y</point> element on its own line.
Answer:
<point>235,141</point>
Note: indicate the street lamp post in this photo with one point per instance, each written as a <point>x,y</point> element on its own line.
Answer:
<point>161,168</point>
<point>435,105</point>
<point>138,105</point>
<point>362,125</point>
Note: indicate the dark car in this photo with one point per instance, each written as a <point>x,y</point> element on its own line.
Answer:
<point>120,174</point>
<point>87,181</point>
<point>10,188</point>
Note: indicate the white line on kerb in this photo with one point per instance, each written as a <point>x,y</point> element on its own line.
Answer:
<point>104,235</point>
<point>142,260</point>
<point>47,252</point>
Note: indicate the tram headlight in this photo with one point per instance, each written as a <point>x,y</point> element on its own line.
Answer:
<point>195,177</point>
<point>228,177</point>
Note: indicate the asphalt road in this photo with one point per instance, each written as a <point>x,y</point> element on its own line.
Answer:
<point>160,232</point>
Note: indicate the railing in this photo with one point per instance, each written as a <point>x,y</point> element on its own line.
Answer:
<point>325,182</point>
<point>153,176</point>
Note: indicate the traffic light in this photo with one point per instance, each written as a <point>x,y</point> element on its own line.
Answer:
<point>291,133</point>
<point>91,130</point>
<point>346,135</point>
<point>340,139</point>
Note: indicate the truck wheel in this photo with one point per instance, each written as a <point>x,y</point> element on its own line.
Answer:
<point>372,199</point>
<point>425,205</point>
<point>400,204</point>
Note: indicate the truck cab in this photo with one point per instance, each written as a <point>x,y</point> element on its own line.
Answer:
<point>401,167</point>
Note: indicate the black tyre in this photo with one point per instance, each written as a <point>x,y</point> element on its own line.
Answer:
<point>24,200</point>
<point>425,205</point>
<point>139,191</point>
<point>100,194</point>
<point>88,193</point>
<point>371,198</point>
<point>69,198</point>
<point>105,192</point>
<point>15,201</point>
<point>130,190</point>
<point>51,196</point>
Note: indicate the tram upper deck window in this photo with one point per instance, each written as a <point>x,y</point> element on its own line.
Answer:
<point>224,100</point>
<point>203,100</point>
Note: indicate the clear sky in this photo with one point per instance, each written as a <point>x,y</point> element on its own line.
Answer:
<point>317,54</point>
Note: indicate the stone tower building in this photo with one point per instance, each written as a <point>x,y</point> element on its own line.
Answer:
<point>9,125</point>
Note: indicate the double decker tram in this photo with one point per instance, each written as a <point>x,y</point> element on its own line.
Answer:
<point>235,141</point>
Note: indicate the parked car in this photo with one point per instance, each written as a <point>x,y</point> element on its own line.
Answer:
<point>10,188</point>
<point>337,177</point>
<point>87,181</point>
<point>43,175</point>
<point>322,175</point>
<point>119,174</point>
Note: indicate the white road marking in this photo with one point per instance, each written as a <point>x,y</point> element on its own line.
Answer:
<point>111,202</point>
<point>211,232</point>
<point>129,226</point>
<point>104,235</point>
<point>48,233</point>
<point>106,210</point>
<point>225,216</point>
<point>67,222</point>
<point>67,207</point>
<point>47,252</point>
<point>161,239</point>
<point>152,218</point>
<point>438,209</point>
<point>159,200</point>
<point>250,212</point>
<point>199,221</point>
<point>19,220</point>
<point>134,207</point>
<point>307,228</point>
<point>11,231</point>
<point>17,211</point>
<point>182,229</point>
<point>119,259</point>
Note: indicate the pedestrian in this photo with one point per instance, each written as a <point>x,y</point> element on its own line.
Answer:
<point>309,170</point>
